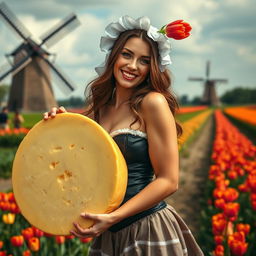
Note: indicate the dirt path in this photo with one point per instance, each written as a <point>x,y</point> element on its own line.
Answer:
<point>5,185</point>
<point>194,163</point>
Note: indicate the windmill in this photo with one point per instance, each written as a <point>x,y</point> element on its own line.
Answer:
<point>30,65</point>
<point>209,96</point>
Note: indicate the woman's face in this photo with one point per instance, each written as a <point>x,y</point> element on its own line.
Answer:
<point>132,65</point>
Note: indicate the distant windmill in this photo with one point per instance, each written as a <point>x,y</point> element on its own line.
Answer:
<point>31,88</point>
<point>209,96</point>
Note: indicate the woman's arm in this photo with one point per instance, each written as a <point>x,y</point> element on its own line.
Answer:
<point>163,151</point>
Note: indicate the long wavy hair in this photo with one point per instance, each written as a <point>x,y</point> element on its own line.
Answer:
<point>101,89</point>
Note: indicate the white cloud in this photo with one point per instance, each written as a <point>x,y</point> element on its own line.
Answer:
<point>247,53</point>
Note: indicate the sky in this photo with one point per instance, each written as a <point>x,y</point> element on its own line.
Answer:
<point>224,33</point>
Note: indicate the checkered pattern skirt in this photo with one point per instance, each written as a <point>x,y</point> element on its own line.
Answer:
<point>161,233</point>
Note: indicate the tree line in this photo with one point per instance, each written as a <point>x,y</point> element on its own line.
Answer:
<point>238,95</point>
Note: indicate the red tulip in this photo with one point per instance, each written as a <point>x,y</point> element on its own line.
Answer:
<point>27,233</point>
<point>86,240</point>
<point>219,250</point>
<point>3,253</point>
<point>219,203</point>
<point>231,210</point>
<point>37,232</point>
<point>177,30</point>
<point>60,239</point>
<point>26,253</point>
<point>238,248</point>
<point>17,241</point>
<point>218,239</point>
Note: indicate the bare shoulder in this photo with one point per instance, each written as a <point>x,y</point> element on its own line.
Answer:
<point>154,101</point>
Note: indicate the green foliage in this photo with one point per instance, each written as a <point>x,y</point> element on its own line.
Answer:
<point>239,95</point>
<point>186,116</point>
<point>11,140</point>
<point>31,119</point>
<point>6,159</point>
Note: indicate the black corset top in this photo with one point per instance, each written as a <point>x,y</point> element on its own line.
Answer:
<point>134,147</point>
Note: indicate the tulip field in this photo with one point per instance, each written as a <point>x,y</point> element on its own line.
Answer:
<point>228,207</point>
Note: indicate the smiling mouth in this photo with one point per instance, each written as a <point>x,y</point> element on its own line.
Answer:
<point>127,75</point>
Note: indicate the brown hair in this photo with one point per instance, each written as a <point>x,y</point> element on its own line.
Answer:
<point>101,88</point>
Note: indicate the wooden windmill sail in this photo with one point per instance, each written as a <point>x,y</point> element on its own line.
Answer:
<point>29,63</point>
<point>209,95</point>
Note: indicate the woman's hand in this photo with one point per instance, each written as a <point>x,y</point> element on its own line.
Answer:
<point>53,112</point>
<point>101,223</point>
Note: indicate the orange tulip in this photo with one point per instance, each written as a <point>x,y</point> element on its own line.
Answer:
<point>240,227</point>
<point>232,174</point>
<point>17,241</point>
<point>219,203</point>
<point>219,226</point>
<point>34,244</point>
<point>230,194</point>
<point>1,244</point>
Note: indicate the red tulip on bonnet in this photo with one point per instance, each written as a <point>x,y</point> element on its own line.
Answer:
<point>178,30</point>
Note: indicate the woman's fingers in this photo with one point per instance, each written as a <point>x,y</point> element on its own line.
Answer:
<point>83,233</point>
<point>52,113</point>
<point>62,110</point>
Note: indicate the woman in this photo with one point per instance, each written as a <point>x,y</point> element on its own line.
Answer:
<point>131,100</point>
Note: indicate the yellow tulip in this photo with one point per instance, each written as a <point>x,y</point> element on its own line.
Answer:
<point>8,218</point>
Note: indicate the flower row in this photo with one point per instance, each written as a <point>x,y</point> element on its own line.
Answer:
<point>244,114</point>
<point>13,131</point>
<point>17,237</point>
<point>192,125</point>
<point>184,110</point>
<point>233,195</point>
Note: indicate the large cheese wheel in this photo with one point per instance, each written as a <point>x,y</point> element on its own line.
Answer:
<point>65,166</point>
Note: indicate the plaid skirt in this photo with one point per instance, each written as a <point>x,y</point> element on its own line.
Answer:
<point>161,233</point>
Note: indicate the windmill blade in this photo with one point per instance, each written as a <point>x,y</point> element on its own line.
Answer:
<point>61,80</point>
<point>220,80</point>
<point>60,30</point>
<point>13,22</point>
<point>196,79</point>
<point>207,69</point>
<point>7,68</point>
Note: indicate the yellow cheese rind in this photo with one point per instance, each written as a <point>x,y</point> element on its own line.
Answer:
<point>66,166</point>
